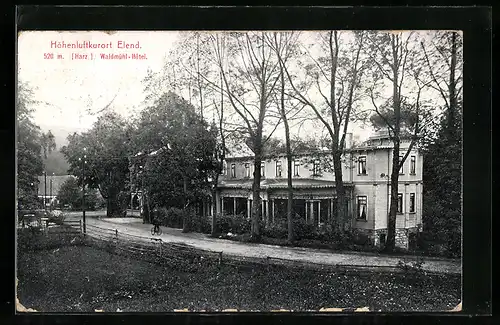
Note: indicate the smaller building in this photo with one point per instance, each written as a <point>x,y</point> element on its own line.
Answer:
<point>49,186</point>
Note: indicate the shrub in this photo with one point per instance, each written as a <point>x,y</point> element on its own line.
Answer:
<point>361,238</point>
<point>240,224</point>
<point>200,224</point>
<point>303,230</point>
<point>276,230</point>
<point>223,223</point>
<point>171,217</point>
<point>431,244</point>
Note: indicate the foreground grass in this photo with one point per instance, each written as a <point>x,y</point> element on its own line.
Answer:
<point>83,279</point>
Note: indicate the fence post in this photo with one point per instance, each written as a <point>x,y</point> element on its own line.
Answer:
<point>220,258</point>
<point>161,244</point>
<point>116,237</point>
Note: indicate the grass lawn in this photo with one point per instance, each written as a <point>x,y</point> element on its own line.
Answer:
<point>83,278</point>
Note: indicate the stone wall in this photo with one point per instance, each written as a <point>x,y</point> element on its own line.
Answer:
<point>402,238</point>
<point>376,237</point>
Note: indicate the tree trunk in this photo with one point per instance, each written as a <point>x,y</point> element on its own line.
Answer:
<point>393,208</point>
<point>289,206</point>
<point>342,221</point>
<point>113,208</point>
<point>185,209</point>
<point>391,222</point>
<point>215,198</point>
<point>255,234</point>
<point>214,213</point>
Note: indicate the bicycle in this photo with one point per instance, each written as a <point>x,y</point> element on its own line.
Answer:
<point>156,231</point>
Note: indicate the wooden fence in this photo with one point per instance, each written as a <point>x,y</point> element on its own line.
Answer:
<point>149,247</point>
<point>155,249</point>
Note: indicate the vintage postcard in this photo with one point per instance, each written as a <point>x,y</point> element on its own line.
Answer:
<point>220,171</point>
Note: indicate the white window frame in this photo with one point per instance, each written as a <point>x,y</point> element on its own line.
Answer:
<point>296,168</point>
<point>278,164</point>
<point>402,211</point>
<point>413,165</point>
<point>233,170</point>
<point>402,169</point>
<point>359,212</point>
<point>414,203</point>
<point>262,169</point>
<point>360,160</point>
<point>247,170</point>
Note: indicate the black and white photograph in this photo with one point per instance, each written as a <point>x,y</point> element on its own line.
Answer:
<point>239,171</point>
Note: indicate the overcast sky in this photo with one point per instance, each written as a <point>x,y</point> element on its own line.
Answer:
<point>70,88</point>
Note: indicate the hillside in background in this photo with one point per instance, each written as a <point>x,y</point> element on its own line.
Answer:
<point>56,163</point>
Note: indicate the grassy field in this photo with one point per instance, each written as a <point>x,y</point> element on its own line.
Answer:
<point>83,279</point>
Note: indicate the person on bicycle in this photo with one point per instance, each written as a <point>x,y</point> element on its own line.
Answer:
<point>156,220</point>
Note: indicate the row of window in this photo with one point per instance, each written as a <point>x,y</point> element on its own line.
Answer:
<point>362,165</point>
<point>363,205</point>
<point>316,167</point>
<point>279,170</point>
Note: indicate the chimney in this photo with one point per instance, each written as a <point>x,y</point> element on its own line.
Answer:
<point>348,140</point>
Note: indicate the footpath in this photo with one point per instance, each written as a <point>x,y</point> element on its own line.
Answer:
<point>134,226</point>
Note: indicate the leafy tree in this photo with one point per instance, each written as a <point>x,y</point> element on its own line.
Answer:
<point>29,148</point>
<point>99,158</point>
<point>443,156</point>
<point>70,192</point>
<point>176,143</point>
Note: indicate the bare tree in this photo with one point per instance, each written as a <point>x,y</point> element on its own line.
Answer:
<point>394,60</point>
<point>443,63</point>
<point>284,44</point>
<point>324,74</point>
<point>250,75</point>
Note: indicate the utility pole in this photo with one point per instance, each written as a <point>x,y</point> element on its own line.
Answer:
<point>45,193</point>
<point>51,179</point>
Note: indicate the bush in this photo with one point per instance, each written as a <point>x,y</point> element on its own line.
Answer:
<point>223,223</point>
<point>200,224</point>
<point>362,239</point>
<point>303,230</point>
<point>238,224</point>
<point>171,217</point>
<point>276,230</point>
<point>435,244</point>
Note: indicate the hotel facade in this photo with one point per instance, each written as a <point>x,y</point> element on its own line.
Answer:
<point>366,170</point>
